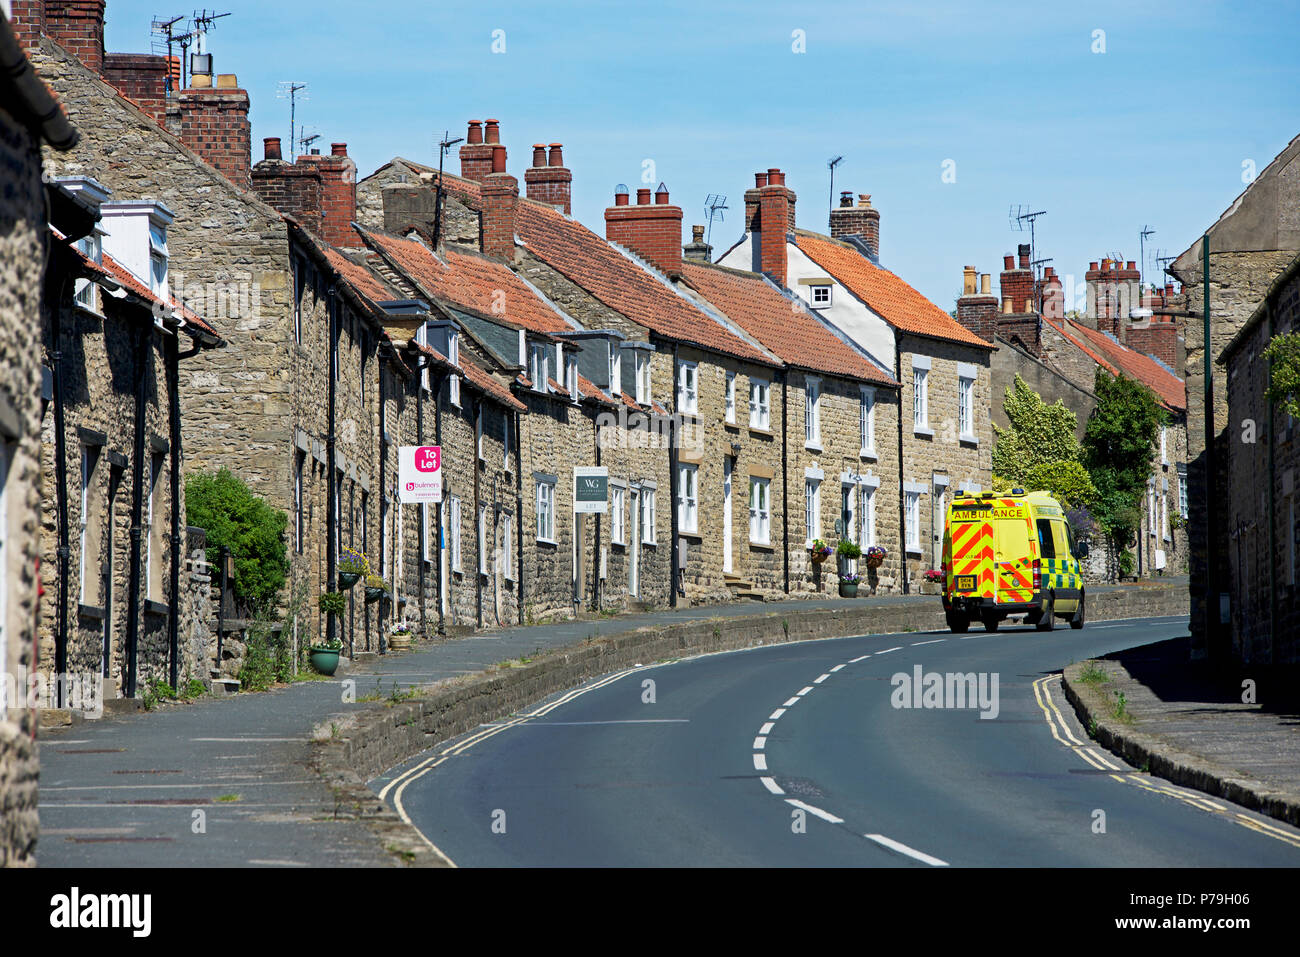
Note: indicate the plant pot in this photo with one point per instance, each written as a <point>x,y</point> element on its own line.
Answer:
<point>818,558</point>
<point>848,589</point>
<point>875,562</point>
<point>399,642</point>
<point>373,595</point>
<point>348,579</point>
<point>324,660</point>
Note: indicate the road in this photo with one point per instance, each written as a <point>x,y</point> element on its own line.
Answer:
<point>796,755</point>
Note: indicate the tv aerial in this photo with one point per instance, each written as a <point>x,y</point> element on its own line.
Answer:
<point>714,204</point>
<point>293,92</point>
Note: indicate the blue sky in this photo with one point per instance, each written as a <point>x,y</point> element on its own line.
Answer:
<point>1153,131</point>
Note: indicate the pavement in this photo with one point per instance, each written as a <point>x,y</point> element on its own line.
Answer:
<point>798,755</point>
<point>226,781</point>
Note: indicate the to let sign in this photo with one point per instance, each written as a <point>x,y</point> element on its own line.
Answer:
<point>419,473</point>
<point>590,489</point>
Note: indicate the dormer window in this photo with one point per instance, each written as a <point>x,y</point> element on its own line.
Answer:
<point>92,248</point>
<point>158,258</point>
<point>571,377</point>
<point>453,355</point>
<point>820,295</point>
<point>537,366</point>
<point>615,370</point>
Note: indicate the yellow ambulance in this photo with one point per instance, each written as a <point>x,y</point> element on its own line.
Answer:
<point>1011,555</point>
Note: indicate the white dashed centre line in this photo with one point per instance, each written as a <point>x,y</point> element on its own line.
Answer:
<point>932,641</point>
<point>804,691</point>
<point>904,849</point>
<point>760,743</point>
<point>791,703</point>
<point>760,762</point>
<point>859,658</point>
<point>815,811</point>
<point>767,728</point>
<point>888,650</point>
<point>836,668</point>
<point>776,715</point>
<point>771,785</point>
<point>818,681</point>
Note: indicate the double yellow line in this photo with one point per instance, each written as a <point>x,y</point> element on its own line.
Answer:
<point>1103,761</point>
<point>398,785</point>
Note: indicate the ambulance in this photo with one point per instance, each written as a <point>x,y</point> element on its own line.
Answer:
<point>1011,556</point>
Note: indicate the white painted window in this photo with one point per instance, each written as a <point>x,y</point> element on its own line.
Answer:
<point>1164,516</point>
<point>478,432</point>
<point>731,396</point>
<point>424,527</point>
<point>867,421</point>
<point>546,511</point>
<point>1182,495</point>
<point>820,295</point>
<point>643,392</point>
<point>158,259</point>
<point>760,510</point>
<point>89,542</point>
<point>538,366</point>
<point>868,516</point>
<point>571,377</point>
<point>1151,508</point>
<point>84,290</point>
<point>920,398</point>
<point>812,414</point>
<point>912,507</point>
<point>153,531</point>
<point>615,370</point>
<point>506,426</point>
<point>508,545</point>
<point>617,514</point>
<point>812,509</point>
<point>760,408</point>
<point>647,516</point>
<point>453,355</point>
<point>454,511</point>
<point>966,407</point>
<point>688,388</point>
<point>482,540</point>
<point>1164,451</point>
<point>688,498</point>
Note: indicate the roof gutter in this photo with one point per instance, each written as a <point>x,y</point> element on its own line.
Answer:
<point>36,104</point>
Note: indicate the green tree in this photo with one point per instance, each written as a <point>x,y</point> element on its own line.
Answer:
<point>1036,434</point>
<point>1068,481</point>
<point>1118,446</point>
<point>1283,355</point>
<point>233,516</point>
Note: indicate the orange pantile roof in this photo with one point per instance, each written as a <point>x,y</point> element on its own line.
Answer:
<point>479,378</point>
<point>784,327</point>
<point>1169,389</point>
<point>888,296</point>
<point>592,263</point>
<point>470,281</point>
<point>362,280</point>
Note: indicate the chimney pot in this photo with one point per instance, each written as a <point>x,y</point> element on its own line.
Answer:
<point>539,154</point>
<point>1132,265</point>
<point>1092,266</point>
<point>968,280</point>
<point>475,133</point>
<point>760,180</point>
<point>846,198</point>
<point>643,196</point>
<point>1008,262</point>
<point>620,197</point>
<point>271,148</point>
<point>985,288</point>
<point>338,149</point>
<point>661,195</point>
<point>557,155</point>
<point>498,156</point>
<point>492,132</point>
<point>697,234</point>
<point>864,200</point>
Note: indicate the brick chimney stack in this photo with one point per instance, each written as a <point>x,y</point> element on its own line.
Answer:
<point>1114,290</point>
<point>548,180</point>
<point>977,310</point>
<point>214,123</point>
<point>76,25</point>
<point>1016,283</point>
<point>293,189</point>
<point>143,78</point>
<point>651,230</point>
<point>697,248</point>
<point>500,197</point>
<point>1053,295</point>
<point>338,194</point>
<point>476,154</point>
<point>862,220</point>
<point>775,222</point>
<point>751,201</point>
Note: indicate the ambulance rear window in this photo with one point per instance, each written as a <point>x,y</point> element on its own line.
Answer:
<point>1011,537</point>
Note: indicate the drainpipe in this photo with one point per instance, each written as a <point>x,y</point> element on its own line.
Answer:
<point>519,512</point>
<point>62,552</point>
<point>902,496</point>
<point>785,477</point>
<point>478,572</point>
<point>673,438</point>
<point>331,492</point>
<point>1211,511</point>
<point>421,364</point>
<point>595,587</point>
<point>383,491</point>
<point>437,440</point>
<point>173,360</point>
<point>143,341</point>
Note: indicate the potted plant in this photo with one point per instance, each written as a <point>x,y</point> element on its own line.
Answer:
<point>845,552</point>
<point>399,639</point>
<point>849,584</point>
<point>875,556</point>
<point>819,551</point>
<point>325,656</point>
<point>376,588</point>
<point>353,566</point>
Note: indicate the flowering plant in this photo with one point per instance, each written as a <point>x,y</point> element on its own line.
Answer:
<point>353,562</point>
<point>875,555</point>
<point>934,575</point>
<point>850,578</point>
<point>820,549</point>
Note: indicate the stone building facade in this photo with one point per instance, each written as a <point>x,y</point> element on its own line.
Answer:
<point>29,118</point>
<point>1263,512</point>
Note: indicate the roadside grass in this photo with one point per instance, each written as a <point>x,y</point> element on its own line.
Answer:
<point>1092,674</point>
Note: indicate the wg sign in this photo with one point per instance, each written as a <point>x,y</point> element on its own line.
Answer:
<point>419,473</point>
<point>590,489</point>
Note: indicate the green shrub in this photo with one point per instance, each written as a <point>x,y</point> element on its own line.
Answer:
<point>234,517</point>
<point>267,659</point>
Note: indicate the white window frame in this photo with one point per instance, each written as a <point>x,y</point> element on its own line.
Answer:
<point>643,373</point>
<point>812,509</point>
<point>760,404</point>
<point>478,432</point>
<point>731,397</point>
<point>647,515</point>
<point>821,287</point>
<point>453,356</point>
<point>1164,451</point>
<point>615,370</point>
<point>812,413</point>
<point>760,510</point>
<point>508,546</point>
<point>454,519</point>
<point>966,407</point>
<point>1182,494</point>
<point>506,425</point>
<point>483,566</point>
<point>538,366</point>
<point>688,498</point>
<point>920,400</point>
<point>1164,516</point>
<point>571,377</point>
<point>867,421</point>
<point>912,518</point>
<point>617,513</point>
<point>868,516</point>
<point>688,388</point>
<point>84,289</point>
<point>544,497</point>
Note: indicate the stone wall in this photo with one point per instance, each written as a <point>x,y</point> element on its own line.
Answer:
<point>1075,392</point>
<point>24,239</point>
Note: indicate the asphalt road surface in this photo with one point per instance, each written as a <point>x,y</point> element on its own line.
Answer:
<point>800,755</point>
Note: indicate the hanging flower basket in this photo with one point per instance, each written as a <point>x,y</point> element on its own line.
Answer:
<point>874,556</point>
<point>348,579</point>
<point>376,588</point>
<point>820,551</point>
<point>353,566</point>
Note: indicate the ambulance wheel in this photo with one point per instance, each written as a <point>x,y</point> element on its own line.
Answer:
<point>958,622</point>
<point>1076,620</point>
<point>1048,619</point>
<point>991,622</point>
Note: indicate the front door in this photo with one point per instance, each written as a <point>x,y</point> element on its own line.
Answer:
<point>728,465</point>
<point>634,545</point>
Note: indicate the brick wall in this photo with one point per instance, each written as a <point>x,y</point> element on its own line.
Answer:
<point>338,196</point>
<point>548,180</point>
<point>142,77</point>
<point>292,188</point>
<point>78,26</point>
<point>860,220</point>
<point>214,124</point>
<point>651,230</point>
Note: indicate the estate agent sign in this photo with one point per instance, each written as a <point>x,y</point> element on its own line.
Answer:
<point>419,473</point>
<point>590,489</point>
